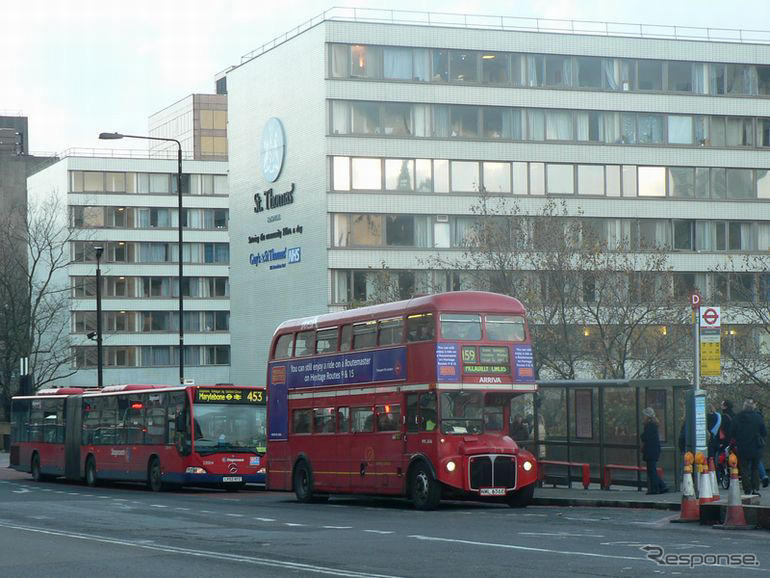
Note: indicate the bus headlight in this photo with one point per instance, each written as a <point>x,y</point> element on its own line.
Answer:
<point>450,466</point>
<point>527,465</point>
<point>195,470</point>
<point>262,471</point>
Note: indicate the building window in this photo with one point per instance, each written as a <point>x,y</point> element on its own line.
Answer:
<point>560,179</point>
<point>367,174</point>
<point>494,68</point>
<point>465,176</point>
<point>652,181</point>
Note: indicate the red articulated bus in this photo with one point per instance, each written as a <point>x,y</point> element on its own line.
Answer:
<point>411,398</point>
<point>166,436</point>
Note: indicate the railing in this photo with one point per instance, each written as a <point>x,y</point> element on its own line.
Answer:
<point>491,22</point>
<point>124,153</point>
<point>11,113</point>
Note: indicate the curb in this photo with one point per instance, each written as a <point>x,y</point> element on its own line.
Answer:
<point>604,503</point>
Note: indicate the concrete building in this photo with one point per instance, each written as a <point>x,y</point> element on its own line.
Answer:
<point>198,121</point>
<point>128,206</point>
<point>386,131</point>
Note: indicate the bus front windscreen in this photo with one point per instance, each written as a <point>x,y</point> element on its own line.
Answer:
<point>227,425</point>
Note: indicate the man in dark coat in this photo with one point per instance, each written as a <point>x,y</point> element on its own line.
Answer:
<point>651,452</point>
<point>749,432</point>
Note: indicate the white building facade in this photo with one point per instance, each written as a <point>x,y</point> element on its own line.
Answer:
<point>391,130</point>
<point>128,206</point>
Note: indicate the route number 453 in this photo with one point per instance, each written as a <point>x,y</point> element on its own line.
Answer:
<point>254,396</point>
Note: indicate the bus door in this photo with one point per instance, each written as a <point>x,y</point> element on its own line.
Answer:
<point>72,436</point>
<point>421,424</point>
<point>362,453</point>
<point>389,450</point>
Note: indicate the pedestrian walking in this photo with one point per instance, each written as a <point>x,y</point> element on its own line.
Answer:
<point>725,429</point>
<point>651,452</point>
<point>749,432</point>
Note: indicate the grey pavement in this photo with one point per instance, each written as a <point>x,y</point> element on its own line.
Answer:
<point>123,530</point>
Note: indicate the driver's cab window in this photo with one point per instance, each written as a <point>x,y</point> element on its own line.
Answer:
<point>462,412</point>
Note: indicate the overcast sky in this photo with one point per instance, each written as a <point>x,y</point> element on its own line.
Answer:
<point>79,67</point>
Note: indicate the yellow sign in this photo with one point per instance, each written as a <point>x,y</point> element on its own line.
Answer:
<point>710,355</point>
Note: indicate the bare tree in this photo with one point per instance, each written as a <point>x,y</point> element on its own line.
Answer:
<point>595,307</point>
<point>34,292</point>
<point>742,289</point>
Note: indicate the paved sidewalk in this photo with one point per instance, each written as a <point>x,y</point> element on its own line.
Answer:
<point>618,498</point>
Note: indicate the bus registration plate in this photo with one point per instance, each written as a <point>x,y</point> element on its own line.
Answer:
<point>232,479</point>
<point>492,491</point>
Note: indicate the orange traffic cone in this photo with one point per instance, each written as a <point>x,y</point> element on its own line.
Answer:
<point>690,511</point>
<point>734,519</point>
<point>713,481</point>
<point>704,485</point>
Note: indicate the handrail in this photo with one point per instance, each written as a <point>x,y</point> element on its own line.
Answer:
<point>124,153</point>
<point>518,23</point>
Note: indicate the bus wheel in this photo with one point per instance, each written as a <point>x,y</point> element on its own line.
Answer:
<point>303,483</point>
<point>153,476</point>
<point>36,475</point>
<point>90,472</point>
<point>521,498</point>
<point>424,489</point>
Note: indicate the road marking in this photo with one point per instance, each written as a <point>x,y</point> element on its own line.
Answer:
<point>562,534</point>
<point>183,509</point>
<point>582,519</point>
<point>73,494</point>
<point>269,562</point>
<point>523,548</point>
<point>534,515</point>
<point>293,525</point>
<point>158,506</point>
<point>207,512</point>
<point>265,519</point>
<point>235,515</point>
<point>21,491</point>
<point>378,531</point>
<point>337,527</point>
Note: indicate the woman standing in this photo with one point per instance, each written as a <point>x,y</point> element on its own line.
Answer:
<point>651,452</point>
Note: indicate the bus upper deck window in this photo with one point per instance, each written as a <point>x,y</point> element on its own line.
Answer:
<point>505,328</point>
<point>464,326</point>
<point>326,340</point>
<point>420,327</point>
<point>365,335</point>
<point>305,344</point>
<point>283,346</point>
<point>391,331</point>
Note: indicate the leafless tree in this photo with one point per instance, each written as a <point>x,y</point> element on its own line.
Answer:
<point>34,291</point>
<point>596,308</point>
<point>742,289</point>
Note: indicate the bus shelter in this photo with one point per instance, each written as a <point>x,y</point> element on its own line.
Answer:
<point>599,423</point>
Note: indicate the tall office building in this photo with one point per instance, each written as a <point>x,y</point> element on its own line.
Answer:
<point>128,206</point>
<point>198,121</point>
<point>355,144</point>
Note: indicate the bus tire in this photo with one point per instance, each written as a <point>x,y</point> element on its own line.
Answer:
<point>521,498</point>
<point>91,480</point>
<point>303,482</point>
<point>35,468</point>
<point>424,489</point>
<point>154,483</point>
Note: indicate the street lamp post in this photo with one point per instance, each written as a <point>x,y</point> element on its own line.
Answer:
<point>117,135</point>
<point>99,352</point>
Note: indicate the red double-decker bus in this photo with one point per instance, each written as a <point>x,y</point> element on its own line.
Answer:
<point>411,398</point>
<point>165,436</point>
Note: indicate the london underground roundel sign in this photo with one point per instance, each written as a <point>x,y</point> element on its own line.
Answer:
<point>710,317</point>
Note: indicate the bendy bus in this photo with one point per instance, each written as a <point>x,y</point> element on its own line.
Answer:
<point>411,398</point>
<point>165,436</point>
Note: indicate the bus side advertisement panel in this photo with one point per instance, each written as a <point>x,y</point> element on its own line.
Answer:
<point>278,408</point>
<point>524,367</point>
<point>346,369</point>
